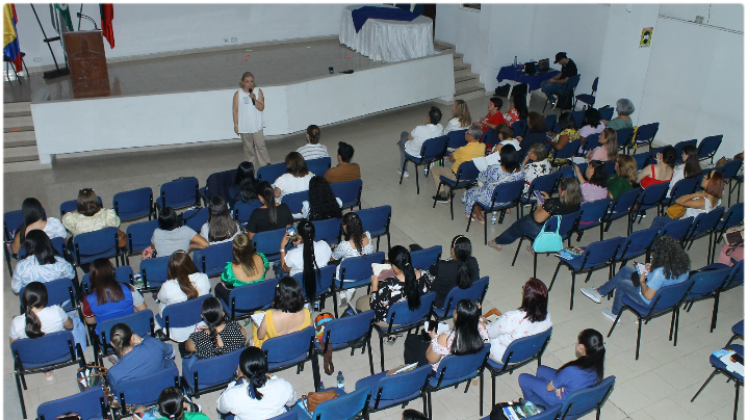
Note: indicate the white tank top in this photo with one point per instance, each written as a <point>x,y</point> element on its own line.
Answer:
<point>250,118</point>
<point>708,207</point>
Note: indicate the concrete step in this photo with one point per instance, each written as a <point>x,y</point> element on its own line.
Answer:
<point>17,114</point>
<point>459,61</point>
<point>470,92</point>
<point>462,73</point>
<point>461,67</point>
<point>19,139</point>
<point>33,165</point>
<point>20,154</point>
<point>12,124</point>
<point>17,107</point>
<point>466,82</point>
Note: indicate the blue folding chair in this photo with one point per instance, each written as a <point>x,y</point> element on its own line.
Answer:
<point>72,205</point>
<point>586,400</point>
<point>243,211</point>
<point>567,223</point>
<point>592,141</point>
<point>91,246</point>
<point>180,315</point>
<point>720,367</point>
<point>134,204</point>
<point>476,293</point>
<point>544,183</point>
<point>212,260</point>
<point>208,375</point>
<point>294,201</point>
<point>520,128</point>
<point>649,198</point>
<point>519,353</point>
<point>733,217</point>
<point>597,255</point>
<point>606,112</point>
<point>90,405</point>
<point>180,193</point>
<point>289,350</point>
<point>681,145</point>
<point>642,159</point>
<point>139,237</point>
<point>593,212</point>
<point>567,171</point>
<point>634,245</point>
<point>682,187</point>
<point>432,150</point>
<point>218,184</point>
<point>738,331</point>
<point>268,243</point>
<point>145,390</point>
<point>324,282</point>
<point>245,300</point>
<point>568,151</point>
<point>319,166</point>
<point>707,283</point>
<point>123,274</point>
<point>704,224</point>
<point>505,196</point>
<point>578,117</point>
<point>37,355</point>
<point>678,229</point>
<point>11,221</point>
<point>348,332</point>
<point>456,139</point>
<point>394,390</point>
<point>356,272</point>
<point>400,318</point>
<point>455,369</point>
<point>730,170</point>
<point>141,323</point>
<point>61,292</point>
<point>349,192</point>
<point>490,138</point>
<point>709,146</point>
<point>153,272</point>
<point>423,259</point>
<point>345,407</point>
<point>466,176</point>
<point>550,120</point>
<point>626,139</point>
<point>376,222</point>
<point>271,173</point>
<point>328,230</point>
<point>195,218</point>
<point>667,299</point>
<point>588,99</point>
<point>645,135</point>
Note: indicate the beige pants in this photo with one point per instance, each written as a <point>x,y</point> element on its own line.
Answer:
<point>437,172</point>
<point>363,304</point>
<point>255,150</point>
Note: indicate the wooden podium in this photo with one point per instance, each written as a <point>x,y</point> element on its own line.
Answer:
<point>87,61</point>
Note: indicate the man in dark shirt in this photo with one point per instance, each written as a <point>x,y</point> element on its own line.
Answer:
<point>556,85</point>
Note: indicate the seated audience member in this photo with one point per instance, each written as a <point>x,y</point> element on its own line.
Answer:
<point>594,182</point>
<point>691,205</point>
<point>40,319</point>
<point>506,136</point>
<point>214,336</point>
<point>256,395</point>
<point>460,117</point>
<point>592,124</point>
<point>412,142</point>
<point>607,149</point>
<point>569,133</point>
<point>40,263</point>
<point>322,202</point>
<point>138,356</point>
<point>530,225</point>
<point>411,414</point>
<point>556,85</point>
<point>494,117</point>
<point>467,337</point>
<point>89,216</point>
<point>248,266</point>
<point>109,299</point>
<point>550,387</point>
<point>220,226</point>
<point>669,265</point>
<point>469,151</point>
<point>288,315</point>
<point>518,110</point>
<point>624,178</point>
<point>35,218</point>
<point>537,132</point>
<point>356,242</point>
<point>624,109</point>
<point>307,256</point>
<point>536,164</point>
<point>169,237</point>
<point>508,170</point>
<point>172,405</point>
<point>296,179</point>
<point>530,319</point>
<point>401,282</point>
<point>345,170</point>
<point>272,215</point>
<point>244,188</point>
<point>661,172</point>
<point>688,169</point>
<point>458,271</point>
<point>184,283</point>
<point>312,149</point>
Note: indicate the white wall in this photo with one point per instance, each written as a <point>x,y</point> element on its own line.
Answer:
<point>729,16</point>
<point>155,28</point>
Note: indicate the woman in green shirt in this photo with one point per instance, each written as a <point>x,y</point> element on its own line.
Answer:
<point>247,267</point>
<point>172,406</point>
<point>624,109</point>
<point>624,177</point>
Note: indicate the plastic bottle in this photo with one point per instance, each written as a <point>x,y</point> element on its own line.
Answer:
<point>321,385</point>
<point>494,218</point>
<point>340,380</point>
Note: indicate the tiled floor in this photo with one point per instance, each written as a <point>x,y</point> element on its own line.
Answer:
<point>658,386</point>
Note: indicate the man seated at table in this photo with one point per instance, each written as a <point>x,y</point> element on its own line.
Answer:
<point>556,85</point>
<point>469,151</point>
<point>345,170</point>
<point>412,142</point>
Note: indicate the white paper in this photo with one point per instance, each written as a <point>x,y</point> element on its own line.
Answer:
<point>257,318</point>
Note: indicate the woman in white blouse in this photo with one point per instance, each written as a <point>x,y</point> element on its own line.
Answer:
<point>185,283</point>
<point>297,177</point>
<point>535,164</point>
<point>35,218</point>
<point>220,227</point>
<point>461,118</point>
<point>40,264</point>
<point>530,319</point>
<point>357,242</point>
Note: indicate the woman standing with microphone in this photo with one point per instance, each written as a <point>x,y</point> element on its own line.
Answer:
<point>247,121</point>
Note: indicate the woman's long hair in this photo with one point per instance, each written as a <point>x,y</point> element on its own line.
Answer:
<point>267,192</point>
<point>462,113</point>
<point>594,359</point>
<point>462,251</point>
<point>534,300</point>
<point>221,225</point>
<point>213,315</point>
<point>253,364</point>
<point>310,268</point>
<point>180,268</point>
<point>692,163</point>
<point>599,175</point>
<point>104,282</point>
<point>567,122</point>
<point>32,211</point>
<point>34,297</point>
<point>467,338</point>
<point>611,145</point>
<point>572,196</point>
<point>354,230</point>
<point>627,168</point>
<point>399,257</point>
<point>669,254</point>
<point>245,181</point>
<point>243,254</point>
<point>121,338</point>
<point>322,202</point>
<point>715,185</point>
<point>171,403</point>
<point>39,245</point>
<point>520,104</point>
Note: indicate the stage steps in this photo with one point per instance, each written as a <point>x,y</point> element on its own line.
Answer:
<point>467,85</point>
<point>19,141</point>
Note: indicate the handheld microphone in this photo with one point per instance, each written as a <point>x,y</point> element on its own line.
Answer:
<point>250,91</point>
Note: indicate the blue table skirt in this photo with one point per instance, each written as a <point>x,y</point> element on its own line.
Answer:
<point>511,73</point>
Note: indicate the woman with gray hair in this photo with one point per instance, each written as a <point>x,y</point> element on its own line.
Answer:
<point>536,164</point>
<point>624,109</point>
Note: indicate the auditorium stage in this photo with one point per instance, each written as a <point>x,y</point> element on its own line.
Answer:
<point>187,98</point>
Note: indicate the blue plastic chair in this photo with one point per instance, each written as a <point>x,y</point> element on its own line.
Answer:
<point>142,323</point>
<point>730,170</point>
<point>180,193</point>
<point>208,375</point>
<point>271,173</point>
<point>490,138</point>
<point>349,192</point>
<point>424,258</point>
<point>195,218</point>
<point>567,171</point>
<point>546,183</point>
<point>455,369</point>
<point>597,255</point>
<point>245,300</point>
<point>36,355</point>
<point>179,315</point>
<point>709,146</point>
<point>720,367</point>
<point>268,243</point>
<point>90,405</point>
<point>466,176</point>
<point>134,204</point>
<point>520,128</point>
<point>319,166</point>
<point>592,141</point>
<point>376,221</point>
<point>678,229</point>
<point>567,223</point>
<point>289,350</point>
<point>456,138</point>
<point>593,212</point>
<point>394,390</point>
<point>345,407</point>
<point>626,139</point>
<point>139,237</point>
<point>124,274</point>
<point>153,272</point>
<point>519,353</point>
<point>578,117</point>
<point>505,196</point>
<point>90,246</point>
<point>588,99</point>
<point>642,159</point>
<point>649,198</point>
<point>432,150</point>
<point>707,283</point>
<point>11,221</point>
<point>476,293</point>
<point>568,151</point>
<point>667,299</point>
<point>356,272</point>
<point>243,211</point>
<point>218,184</point>
<point>62,292</point>
<point>295,200</point>
<point>586,400</point>
<point>324,283</point>
<point>212,260</point>
<point>738,331</point>
<point>733,217</point>
<point>328,230</point>
<point>635,245</point>
<point>682,187</point>
<point>607,112</point>
<point>550,120</point>
<point>645,135</point>
<point>705,224</point>
<point>349,332</point>
<point>145,389</point>
<point>72,205</point>
<point>400,318</point>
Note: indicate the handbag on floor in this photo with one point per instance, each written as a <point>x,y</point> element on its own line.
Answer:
<point>549,241</point>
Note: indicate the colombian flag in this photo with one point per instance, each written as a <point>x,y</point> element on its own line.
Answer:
<point>11,47</point>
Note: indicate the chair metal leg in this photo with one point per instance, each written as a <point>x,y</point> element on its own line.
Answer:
<point>553,276</point>
<point>438,190</point>
<point>573,286</point>
<point>381,349</point>
<point>20,395</point>
<point>614,324</point>
<point>485,226</point>
<point>535,266</point>
<point>482,393</point>
<point>402,175</point>
<point>417,177</point>
<point>676,326</point>
<point>671,325</point>
<point>370,356</point>
<point>714,316</point>
<point>736,399</point>
<point>451,203</point>
<point>469,218</point>
<point>388,241</point>
<point>638,340</point>
<point>492,377</point>
<point>516,254</point>
<point>430,406</point>
<point>715,371</point>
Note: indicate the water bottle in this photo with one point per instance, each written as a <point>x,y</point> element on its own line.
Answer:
<point>516,61</point>
<point>321,385</point>
<point>340,381</point>
<point>494,218</point>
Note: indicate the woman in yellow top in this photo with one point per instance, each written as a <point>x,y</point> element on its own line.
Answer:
<point>247,267</point>
<point>568,134</point>
<point>289,315</point>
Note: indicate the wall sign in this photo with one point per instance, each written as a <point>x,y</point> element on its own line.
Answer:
<point>646,36</point>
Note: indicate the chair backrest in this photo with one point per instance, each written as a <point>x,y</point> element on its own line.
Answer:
<point>349,192</point>
<point>153,271</point>
<point>375,219</point>
<point>44,351</point>
<point>341,331</point>
<point>88,404</point>
<point>290,415</point>
<point>636,244</point>
<point>243,211</point>
<point>359,268</point>
<point>328,230</point>
<point>60,292</point>
<point>212,371</point>
<point>736,275</point>
<point>705,222</point>
<point>180,193</point>
<point>456,139</point>
<point>319,166</point>
<point>646,132</point>
<point>145,390</point>
<point>585,400</point>
<point>731,168</point>
<point>139,235</point>
<point>270,173</point>
<point>184,314</point>
<point>593,211</point>
<point>509,192</point>
<point>476,293</point>
<point>550,121</point>
<point>288,349</point>
<point>653,194</point>
<point>456,367</point>
<point>706,281</point>
<point>142,323</point>
<point>134,203</point>
<point>123,274</point>
<point>733,216</point>
<point>626,200</point>
<point>669,296</point>
<point>607,112</point>
<point>677,229</point>
<point>592,141</point>
<point>252,297</point>
<point>572,82</point>
<point>195,218</point>
<point>11,221</point>
<point>601,252</point>
<point>490,138</point>
<point>394,388</point>
<point>212,260</point>
<point>98,244</point>
<point>709,145</point>
<point>531,137</point>
<point>324,281</point>
<point>641,159</point>
<point>684,187</point>
<point>568,222</point>
<point>344,407</point>
<point>268,243</point>
<point>434,148</point>
<point>594,85</point>
<point>295,200</point>
<point>567,171</point>
<point>526,348</point>
<point>569,150</point>
<point>400,314</point>
<point>72,205</point>
<point>624,137</point>
<point>578,117</point>
<point>518,127</point>
<point>467,172</point>
<point>544,183</point>
<point>218,184</point>
<point>424,258</point>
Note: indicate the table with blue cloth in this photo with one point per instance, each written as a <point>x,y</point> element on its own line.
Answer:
<point>517,75</point>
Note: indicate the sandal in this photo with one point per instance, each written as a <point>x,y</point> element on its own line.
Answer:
<point>391,339</point>
<point>494,245</point>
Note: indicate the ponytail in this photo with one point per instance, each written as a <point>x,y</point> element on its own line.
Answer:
<point>310,268</point>
<point>267,192</point>
<point>121,338</point>
<point>593,342</point>
<point>213,315</point>
<point>462,251</point>
<point>253,364</point>
<point>400,258</point>
<point>34,297</point>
